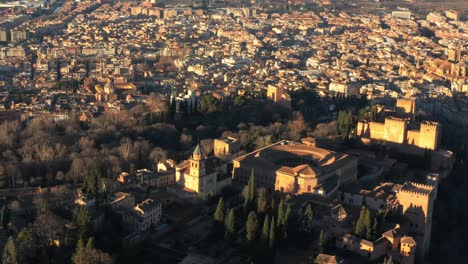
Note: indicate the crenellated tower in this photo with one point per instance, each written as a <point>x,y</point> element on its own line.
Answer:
<point>395,130</point>
<point>416,201</point>
<point>429,134</point>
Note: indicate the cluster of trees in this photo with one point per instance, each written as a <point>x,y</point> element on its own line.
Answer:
<point>46,158</point>
<point>24,249</point>
<point>42,152</point>
<point>89,254</point>
<point>268,225</point>
<point>345,123</point>
<point>368,113</point>
<point>368,225</point>
<point>46,239</point>
<point>209,104</point>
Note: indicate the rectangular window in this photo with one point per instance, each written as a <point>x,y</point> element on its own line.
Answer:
<point>309,188</point>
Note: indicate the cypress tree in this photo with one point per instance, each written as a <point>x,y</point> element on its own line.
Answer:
<point>91,181</point>
<point>252,186</point>
<point>339,122</point>
<point>250,195</point>
<point>287,217</point>
<point>246,200</point>
<point>81,219</point>
<point>272,206</point>
<point>308,218</point>
<point>272,232</point>
<point>368,224</point>
<point>26,246</point>
<point>375,228</point>
<point>251,226</point>
<point>360,228</point>
<point>266,229</point>
<point>321,242</point>
<point>3,179</point>
<point>90,244</point>
<point>348,123</point>
<point>280,212</point>
<point>219,213</point>
<point>262,201</point>
<point>5,216</point>
<point>9,252</point>
<point>79,257</point>
<point>230,225</point>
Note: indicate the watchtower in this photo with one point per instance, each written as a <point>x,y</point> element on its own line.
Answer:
<point>429,134</point>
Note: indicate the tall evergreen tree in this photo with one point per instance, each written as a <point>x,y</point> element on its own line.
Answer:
<point>26,246</point>
<point>230,225</point>
<point>251,226</point>
<point>91,181</point>
<point>5,216</point>
<point>79,257</point>
<point>219,213</point>
<point>81,220</point>
<point>287,214</point>
<point>90,244</point>
<point>9,252</point>
<point>266,229</point>
<point>285,224</point>
<point>375,228</point>
<point>368,224</point>
<point>339,122</point>
<point>272,233</point>
<point>250,194</point>
<point>281,212</point>
<point>272,206</point>
<point>321,242</point>
<point>360,228</point>
<point>252,186</point>
<point>262,202</point>
<point>308,218</point>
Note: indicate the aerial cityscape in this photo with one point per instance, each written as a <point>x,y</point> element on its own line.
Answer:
<point>215,131</point>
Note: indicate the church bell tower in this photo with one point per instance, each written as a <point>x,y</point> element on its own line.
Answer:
<point>197,162</point>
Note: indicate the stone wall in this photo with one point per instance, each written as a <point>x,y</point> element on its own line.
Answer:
<point>395,130</point>
<point>407,106</point>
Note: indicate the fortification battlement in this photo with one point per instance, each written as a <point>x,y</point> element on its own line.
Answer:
<point>421,185</point>
<point>415,192</point>
<point>394,120</point>
<point>429,124</point>
<point>413,188</point>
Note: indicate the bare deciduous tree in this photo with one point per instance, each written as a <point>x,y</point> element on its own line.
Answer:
<point>60,151</point>
<point>44,152</point>
<point>157,154</point>
<point>26,152</point>
<point>125,148</point>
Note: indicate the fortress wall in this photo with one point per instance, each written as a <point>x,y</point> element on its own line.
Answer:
<point>362,129</point>
<point>395,130</point>
<point>412,137</point>
<point>408,106</point>
<point>377,130</point>
<point>429,135</point>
